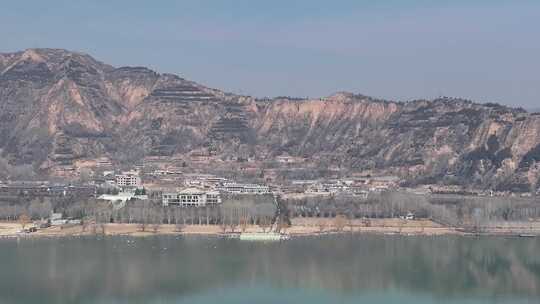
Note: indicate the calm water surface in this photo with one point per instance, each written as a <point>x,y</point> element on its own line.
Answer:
<point>343,269</point>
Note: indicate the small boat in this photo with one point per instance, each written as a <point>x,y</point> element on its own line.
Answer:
<point>527,235</point>
<point>271,236</point>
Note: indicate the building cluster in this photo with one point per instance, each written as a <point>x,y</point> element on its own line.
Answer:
<point>360,186</point>
<point>462,190</point>
<point>205,190</point>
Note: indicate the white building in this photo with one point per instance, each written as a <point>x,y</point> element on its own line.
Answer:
<point>128,179</point>
<point>122,196</point>
<point>191,197</point>
<point>244,188</point>
<point>203,180</point>
<point>57,219</point>
<point>287,159</point>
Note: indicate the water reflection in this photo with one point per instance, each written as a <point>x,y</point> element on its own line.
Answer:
<point>348,267</point>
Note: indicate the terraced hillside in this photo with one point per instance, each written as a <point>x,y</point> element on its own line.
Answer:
<point>58,107</point>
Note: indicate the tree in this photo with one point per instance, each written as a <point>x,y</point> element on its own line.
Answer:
<point>179,220</point>
<point>24,220</point>
<point>102,227</point>
<point>340,222</point>
<point>155,227</point>
<point>282,225</point>
<point>223,226</point>
<point>85,175</point>
<point>179,227</point>
<point>350,223</point>
<point>477,220</point>
<point>264,223</point>
<point>35,208</point>
<point>233,224</point>
<point>157,217</point>
<point>85,222</point>
<point>142,225</point>
<point>321,223</point>
<point>401,224</point>
<point>244,223</point>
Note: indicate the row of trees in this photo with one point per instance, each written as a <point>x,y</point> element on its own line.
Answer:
<point>36,208</point>
<point>447,209</point>
<point>240,212</point>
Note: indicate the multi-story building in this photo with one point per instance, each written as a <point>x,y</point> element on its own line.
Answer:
<point>244,188</point>
<point>191,197</point>
<point>130,179</point>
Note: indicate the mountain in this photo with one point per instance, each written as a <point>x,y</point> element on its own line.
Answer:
<point>60,108</point>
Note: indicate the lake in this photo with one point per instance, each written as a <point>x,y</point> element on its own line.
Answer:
<point>332,269</point>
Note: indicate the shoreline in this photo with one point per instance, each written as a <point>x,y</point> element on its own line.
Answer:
<point>306,227</point>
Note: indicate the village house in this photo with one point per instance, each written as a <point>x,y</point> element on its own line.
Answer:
<point>191,197</point>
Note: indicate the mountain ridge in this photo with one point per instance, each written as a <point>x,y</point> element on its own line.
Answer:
<point>60,107</point>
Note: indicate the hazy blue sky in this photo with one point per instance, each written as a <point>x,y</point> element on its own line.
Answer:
<point>483,50</point>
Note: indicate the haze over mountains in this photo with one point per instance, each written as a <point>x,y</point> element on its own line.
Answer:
<point>58,108</point>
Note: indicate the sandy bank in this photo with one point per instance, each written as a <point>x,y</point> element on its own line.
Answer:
<point>299,227</point>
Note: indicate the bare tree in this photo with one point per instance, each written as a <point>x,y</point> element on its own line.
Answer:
<point>24,220</point>
<point>155,227</point>
<point>142,226</point>
<point>34,209</point>
<point>423,226</point>
<point>156,217</point>
<point>244,223</point>
<point>340,222</point>
<point>85,175</point>
<point>366,222</point>
<point>350,223</point>
<point>264,223</point>
<point>85,222</point>
<point>401,224</point>
<point>179,227</point>
<point>179,220</point>
<point>282,225</point>
<point>223,225</point>
<point>321,224</point>
<point>102,228</point>
<point>233,224</point>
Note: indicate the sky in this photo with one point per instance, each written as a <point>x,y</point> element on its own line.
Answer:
<point>484,50</point>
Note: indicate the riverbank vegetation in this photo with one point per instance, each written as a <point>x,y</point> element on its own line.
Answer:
<point>337,213</point>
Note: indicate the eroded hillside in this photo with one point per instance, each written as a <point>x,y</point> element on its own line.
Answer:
<point>58,107</point>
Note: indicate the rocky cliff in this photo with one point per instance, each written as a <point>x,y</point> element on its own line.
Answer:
<point>57,107</point>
